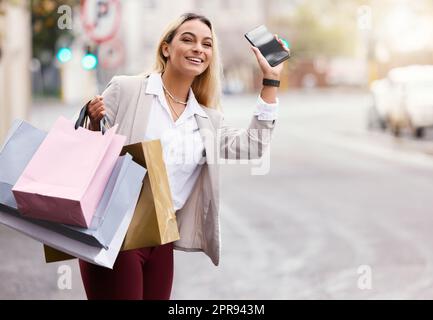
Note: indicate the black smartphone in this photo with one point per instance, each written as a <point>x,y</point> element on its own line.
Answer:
<point>265,41</point>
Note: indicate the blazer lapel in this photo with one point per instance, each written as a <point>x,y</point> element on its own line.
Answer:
<point>209,136</point>
<point>142,112</point>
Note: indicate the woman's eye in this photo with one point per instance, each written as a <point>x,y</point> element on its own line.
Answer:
<point>187,40</point>
<point>208,45</point>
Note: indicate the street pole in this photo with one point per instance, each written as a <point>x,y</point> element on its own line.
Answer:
<point>365,25</point>
<point>15,83</point>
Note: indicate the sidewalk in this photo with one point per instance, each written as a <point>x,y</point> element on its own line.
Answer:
<point>44,112</point>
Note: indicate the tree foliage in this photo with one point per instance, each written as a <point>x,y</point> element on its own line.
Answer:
<point>45,32</point>
<point>322,28</point>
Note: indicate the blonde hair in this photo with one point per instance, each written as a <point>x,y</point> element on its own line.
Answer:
<point>206,86</point>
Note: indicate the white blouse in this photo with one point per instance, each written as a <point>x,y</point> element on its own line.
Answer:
<point>182,145</point>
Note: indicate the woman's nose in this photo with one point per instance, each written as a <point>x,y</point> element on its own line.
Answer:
<point>198,48</point>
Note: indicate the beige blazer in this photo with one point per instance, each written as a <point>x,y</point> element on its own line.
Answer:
<point>128,105</point>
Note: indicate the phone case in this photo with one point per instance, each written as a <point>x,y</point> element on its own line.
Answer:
<point>265,41</point>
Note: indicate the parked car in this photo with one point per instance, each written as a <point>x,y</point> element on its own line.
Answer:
<point>404,99</point>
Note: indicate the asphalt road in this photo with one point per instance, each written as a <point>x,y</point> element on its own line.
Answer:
<point>339,204</point>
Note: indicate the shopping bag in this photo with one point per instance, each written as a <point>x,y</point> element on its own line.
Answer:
<point>65,179</point>
<point>154,222</point>
<point>110,211</point>
<point>22,141</point>
<point>71,247</point>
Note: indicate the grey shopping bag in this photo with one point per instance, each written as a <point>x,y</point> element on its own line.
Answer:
<point>21,143</point>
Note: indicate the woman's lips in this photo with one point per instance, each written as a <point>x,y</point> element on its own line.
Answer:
<point>194,62</point>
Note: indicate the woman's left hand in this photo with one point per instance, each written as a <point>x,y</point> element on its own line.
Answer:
<point>268,71</point>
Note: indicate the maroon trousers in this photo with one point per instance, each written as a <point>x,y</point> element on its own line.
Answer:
<point>141,274</point>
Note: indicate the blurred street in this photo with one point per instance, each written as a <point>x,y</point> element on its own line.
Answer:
<point>337,197</point>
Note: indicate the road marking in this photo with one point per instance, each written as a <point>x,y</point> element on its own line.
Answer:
<point>369,148</point>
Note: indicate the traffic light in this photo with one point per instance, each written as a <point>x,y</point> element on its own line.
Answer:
<point>90,59</point>
<point>64,55</point>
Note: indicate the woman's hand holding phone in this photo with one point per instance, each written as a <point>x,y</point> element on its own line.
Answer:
<point>268,71</point>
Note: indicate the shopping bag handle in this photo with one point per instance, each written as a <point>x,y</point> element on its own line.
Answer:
<point>82,118</point>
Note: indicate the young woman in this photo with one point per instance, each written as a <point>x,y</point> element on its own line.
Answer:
<point>178,103</point>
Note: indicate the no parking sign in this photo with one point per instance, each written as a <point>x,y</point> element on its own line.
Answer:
<point>101,19</point>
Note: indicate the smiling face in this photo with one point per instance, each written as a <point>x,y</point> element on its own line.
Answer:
<point>190,51</point>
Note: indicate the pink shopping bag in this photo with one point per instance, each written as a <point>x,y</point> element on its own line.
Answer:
<point>65,179</point>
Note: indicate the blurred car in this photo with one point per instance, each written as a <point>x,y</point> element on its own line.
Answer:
<point>404,99</point>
